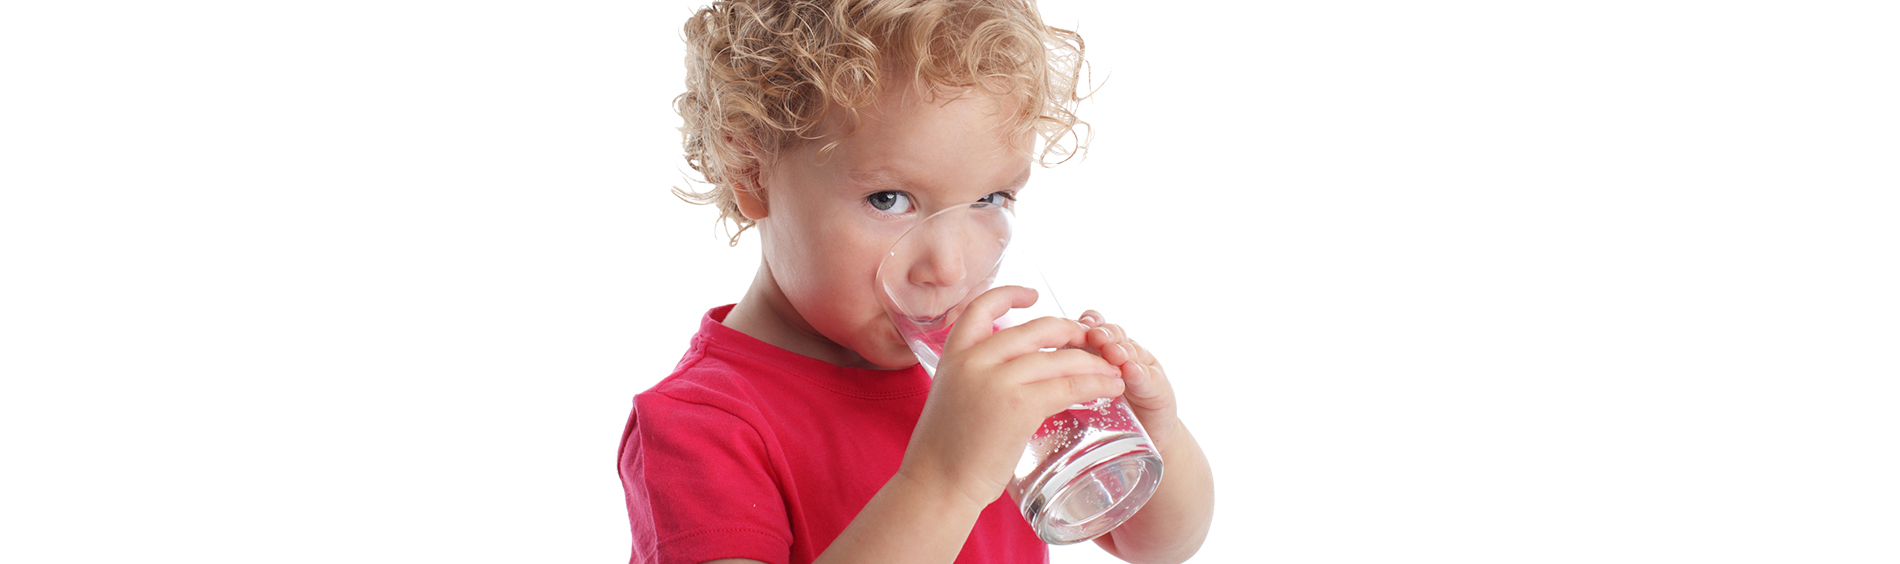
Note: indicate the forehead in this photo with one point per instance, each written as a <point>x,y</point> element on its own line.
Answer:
<point>899,179</point>
<point>907,138</point>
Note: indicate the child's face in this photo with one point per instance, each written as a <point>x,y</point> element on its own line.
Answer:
<point>827,225</point>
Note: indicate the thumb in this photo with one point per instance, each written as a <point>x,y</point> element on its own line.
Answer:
<point>979,318</point>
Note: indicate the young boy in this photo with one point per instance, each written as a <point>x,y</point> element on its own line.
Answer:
<point>798,428</point>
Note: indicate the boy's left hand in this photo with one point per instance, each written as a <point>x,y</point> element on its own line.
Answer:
<point>1147,389</point>
<point>1174,523</point>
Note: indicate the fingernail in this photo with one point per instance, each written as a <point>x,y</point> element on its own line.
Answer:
<point>1087,320</point>
<point>1140,371</point>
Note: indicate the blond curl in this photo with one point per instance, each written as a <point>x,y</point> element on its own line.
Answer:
<point>761,74</point>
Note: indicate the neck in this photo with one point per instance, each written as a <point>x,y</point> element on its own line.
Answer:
<point>765,314</point>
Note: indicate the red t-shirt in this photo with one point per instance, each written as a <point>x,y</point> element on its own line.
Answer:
<point>751,451</point>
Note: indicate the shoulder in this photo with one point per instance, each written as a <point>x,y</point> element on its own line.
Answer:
<point>716,371</point>
<point>703,384</point>
<point>710,406</point>
<point>699,423</point>
<point>702,474</point>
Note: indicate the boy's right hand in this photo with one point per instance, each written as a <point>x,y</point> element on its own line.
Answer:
<point>993,390</point>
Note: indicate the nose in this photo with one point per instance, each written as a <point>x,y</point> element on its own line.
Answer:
<point>940,264</point>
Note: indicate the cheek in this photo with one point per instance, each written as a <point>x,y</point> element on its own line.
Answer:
<point>829,269</point>
<point>850,277</point>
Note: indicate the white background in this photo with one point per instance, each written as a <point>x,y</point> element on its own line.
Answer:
<point>1449,281</point>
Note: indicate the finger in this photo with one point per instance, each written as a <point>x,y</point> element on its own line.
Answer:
<point>1114,353</point>
<point>1057,394</point>
<point>1041,366</point>
<point>1145,381</point>
<point>1092,318</point>
<point>1103,338</point>
<point>1140,353</point>
<point>1037,334</point>
<point>979,317</point>
<point>1099,337</point>
<point>1106,333</point>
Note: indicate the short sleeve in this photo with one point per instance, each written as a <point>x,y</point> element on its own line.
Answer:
<point>700,486</point>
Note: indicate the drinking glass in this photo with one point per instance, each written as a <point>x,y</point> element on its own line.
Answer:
<point>1087,469</point>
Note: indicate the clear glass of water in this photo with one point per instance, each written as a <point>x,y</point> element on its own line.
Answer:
<point>1087,469</point>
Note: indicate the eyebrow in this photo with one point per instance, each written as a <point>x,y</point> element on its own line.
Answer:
<point>1020,180</point>
<point>876,177</point>
<point>887,178</point>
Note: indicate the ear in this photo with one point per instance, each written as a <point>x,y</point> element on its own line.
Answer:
<point>751,197</point>
<point>746,187</point>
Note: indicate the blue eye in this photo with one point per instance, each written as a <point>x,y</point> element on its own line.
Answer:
<point>998,198</point>
<point>890,202</point>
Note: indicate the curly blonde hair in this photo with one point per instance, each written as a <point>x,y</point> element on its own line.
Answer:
<point>761,74</point>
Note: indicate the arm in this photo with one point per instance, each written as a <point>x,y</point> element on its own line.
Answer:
<point>1169,529</point>
<point>990,394</point>
<point>1174,523</point>
<point>907,521</point>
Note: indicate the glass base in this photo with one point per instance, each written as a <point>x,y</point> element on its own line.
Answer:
<point>1094,492</point>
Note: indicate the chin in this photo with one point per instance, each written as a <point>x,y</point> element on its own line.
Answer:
<point>888,354</point>
<point>901,358</point>
<point>887,349</point>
